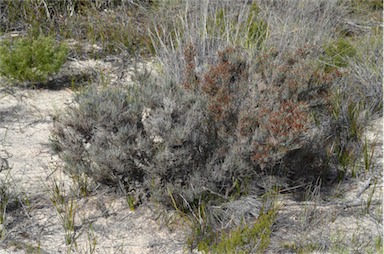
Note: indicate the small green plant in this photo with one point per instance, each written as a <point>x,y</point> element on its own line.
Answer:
<point>302,249</point>
<point>81,183</point>
<point>246,235</point>
<point>259,232</point>
<point>31,59</point>
<point>368,202</point>
<point>355,128</point>
<point>254,238</point>
<point>379,244</point>
<point>4,200</point>
<point>131,202</point>
<point>68,220</point>
<point>6,197</point>
<point>257,28</point>
<point>66,209</point>
<point>348,117</point>
<point>91,240</point>
<point>337,54</point>
<point>202,231</point>
<point>368,155</point>
<point>26,247</point>
<point>345,159</point>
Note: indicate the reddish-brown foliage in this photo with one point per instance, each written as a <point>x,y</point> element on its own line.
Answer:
<point>190,81</point>
<point>274,121</point>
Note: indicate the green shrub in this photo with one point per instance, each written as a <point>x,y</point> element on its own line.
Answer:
<point>28,59</point>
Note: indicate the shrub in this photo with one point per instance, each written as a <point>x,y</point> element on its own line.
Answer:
<point>102,120</point>
<point>137,139</point>
<point>28,59</point>
<point>289,91</point>
<point>157,139</point>
<point>24,13</point>
<point>206,137</point>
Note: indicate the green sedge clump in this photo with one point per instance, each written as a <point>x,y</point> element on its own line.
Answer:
<point>257,28</point>
<point>337,54</point>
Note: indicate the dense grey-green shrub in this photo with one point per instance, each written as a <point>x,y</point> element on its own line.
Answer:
<point>209,136</point>
<point>160,138</point>
<point>152,138</point>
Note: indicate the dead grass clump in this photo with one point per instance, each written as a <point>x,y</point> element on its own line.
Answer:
<point>294,24</point>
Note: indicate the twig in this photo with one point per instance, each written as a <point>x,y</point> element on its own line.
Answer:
<point>365,187</point>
